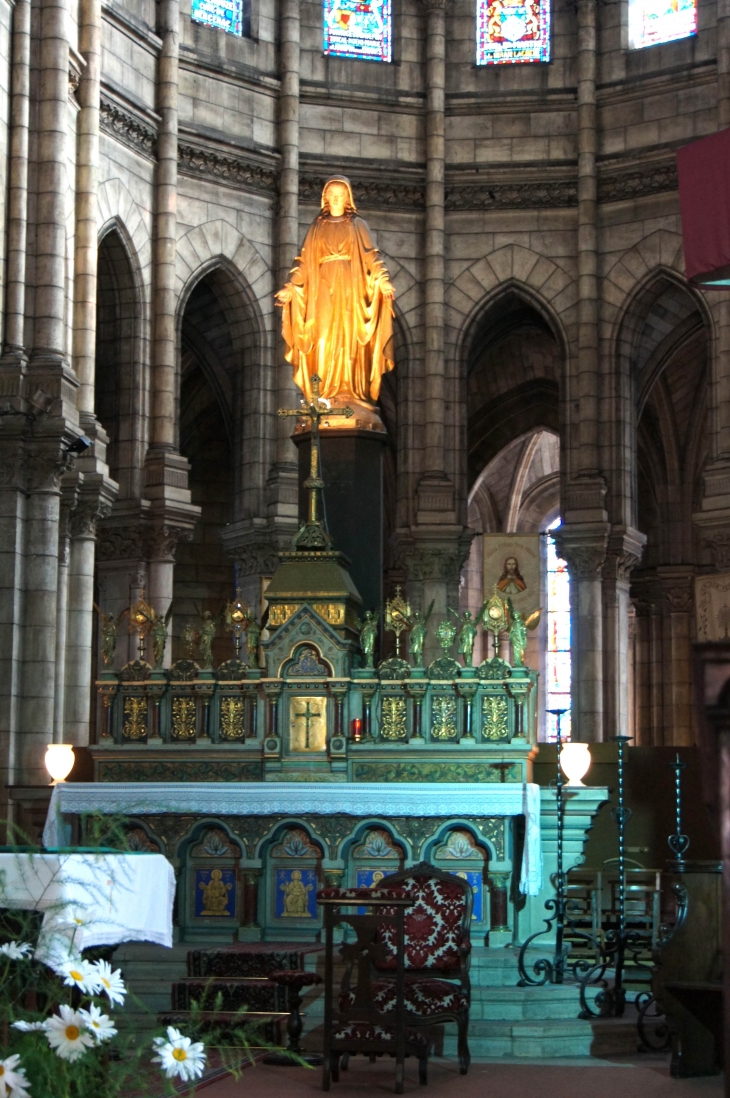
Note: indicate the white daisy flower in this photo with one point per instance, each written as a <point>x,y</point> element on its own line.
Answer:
<point>81,974</point>
<point>16,951</point>
<point>110,982</point>
<point>65,1033</point>
<point>29,1027</point>
<point>178,1055</point>
<point>99,1024</point>
<point>13,1082</point>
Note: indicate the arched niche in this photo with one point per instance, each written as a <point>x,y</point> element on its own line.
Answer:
<point>210,890</point>
<point>292,873</point>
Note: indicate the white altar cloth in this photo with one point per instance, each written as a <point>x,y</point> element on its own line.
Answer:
<point>461,799</point>
<point>91,899</point>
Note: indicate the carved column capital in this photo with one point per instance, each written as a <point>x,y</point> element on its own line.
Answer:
<point>677,585</point>
<point>433,559</point>
<point>623,552</point>
<point>165,539</point>
<point>583,546</point>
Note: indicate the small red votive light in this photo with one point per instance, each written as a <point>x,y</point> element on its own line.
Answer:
<point>356,729</point>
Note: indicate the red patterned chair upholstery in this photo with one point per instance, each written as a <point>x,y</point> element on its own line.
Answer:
<point>437,952</point>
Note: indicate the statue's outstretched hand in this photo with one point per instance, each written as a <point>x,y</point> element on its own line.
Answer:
<point>284,296</point>
<point>388,291</point>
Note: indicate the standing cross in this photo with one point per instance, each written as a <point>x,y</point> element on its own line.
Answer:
<point>312,535</point>
<point>307,717</point>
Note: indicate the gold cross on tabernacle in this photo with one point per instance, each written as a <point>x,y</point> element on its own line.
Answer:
<point>313,535</point>
<point>307,716</point>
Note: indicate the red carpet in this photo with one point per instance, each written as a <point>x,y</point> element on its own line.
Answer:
<point>643,1080</point>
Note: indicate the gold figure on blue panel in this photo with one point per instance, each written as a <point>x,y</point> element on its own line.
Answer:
<point>215,894</point>
<point>296,899</point>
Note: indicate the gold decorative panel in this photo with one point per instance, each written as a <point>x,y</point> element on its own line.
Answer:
<point>443,719</point>
<point>231,723</point>
<point>393,723</point>
<point>308,724</point>
<point>183,719</point>
<point>135,718</point>
<point>495,723</point>
<point>280,612</point>
<point>332,612</point>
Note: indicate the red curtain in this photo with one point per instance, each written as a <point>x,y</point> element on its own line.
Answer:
<point>704,197</point>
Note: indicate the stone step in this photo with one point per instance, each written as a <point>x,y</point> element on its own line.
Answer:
<point>234,994</point>
<point>524,1003</point>
<point>528,1039</point>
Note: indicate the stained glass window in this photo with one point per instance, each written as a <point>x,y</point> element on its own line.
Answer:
<point>512,31</point>
<point>225,15</point>
<point>655,21</point>
<point>358,28</point>
<point>558,642</point>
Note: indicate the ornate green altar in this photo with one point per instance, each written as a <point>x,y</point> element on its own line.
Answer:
<point>310,706</point>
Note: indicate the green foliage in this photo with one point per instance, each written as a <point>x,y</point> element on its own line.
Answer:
<point>32,992</point>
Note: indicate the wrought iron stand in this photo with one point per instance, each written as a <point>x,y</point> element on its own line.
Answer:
<point>660,1039</point>
<point>551,969</point>
<point>617,941</point>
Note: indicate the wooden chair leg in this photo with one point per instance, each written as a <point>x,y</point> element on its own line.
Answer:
<point>463,1045</point>
<point>399,1076</point>
<point>423,1070</point>
<point>326,1072</point>
<point>345,1061</point>
<point>335,1069</point>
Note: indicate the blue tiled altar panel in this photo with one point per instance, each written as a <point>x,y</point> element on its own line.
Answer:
<point>474,877</point>
<point>202,879</point>
<point>284,880</point>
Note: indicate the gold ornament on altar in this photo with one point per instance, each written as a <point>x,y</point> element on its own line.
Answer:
<point>238,617</point>
<point>495,614</point>
<point>337,312</point>
<point>141,621</point>
<point>397,617</point>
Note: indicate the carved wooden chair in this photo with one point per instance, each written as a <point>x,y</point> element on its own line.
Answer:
<point>353,1021</point>
<point>437,952</point>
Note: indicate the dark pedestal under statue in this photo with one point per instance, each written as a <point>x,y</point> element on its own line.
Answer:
<point>352,469</point>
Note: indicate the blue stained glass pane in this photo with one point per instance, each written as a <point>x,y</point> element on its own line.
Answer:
<point>654,21</point>
<point>358,28</point>
<point>558,673</point>
<point>512,31</point>
<point>225,15</point>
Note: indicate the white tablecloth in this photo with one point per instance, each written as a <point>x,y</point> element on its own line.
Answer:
<point>459,799</point>
<point>91,899</point>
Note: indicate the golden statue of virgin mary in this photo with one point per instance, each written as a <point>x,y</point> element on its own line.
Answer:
<point>337,305</point>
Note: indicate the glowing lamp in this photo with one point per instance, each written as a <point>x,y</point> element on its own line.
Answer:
<point>575,761</point>
<point>59,761</point>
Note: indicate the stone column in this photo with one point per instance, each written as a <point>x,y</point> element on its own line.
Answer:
<point>434,567</point>
<point>625,547</point>
<point>586,460</point>
<point>435,490</point>
<point>163,349</point>
<point>49,344</point>
<point>87,215</point>
<point>283,483</point>
<point>677,585</point>
<point>69,497</point>
<point>713,518</point>
<point>166,480</point>
<point>584,552</point>
<point>42,473</point>
<point>80,631</point>
<point>13,332</point>
<point>723,64</point>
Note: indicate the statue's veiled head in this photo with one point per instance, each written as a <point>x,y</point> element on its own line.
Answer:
<point>338,181</point>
